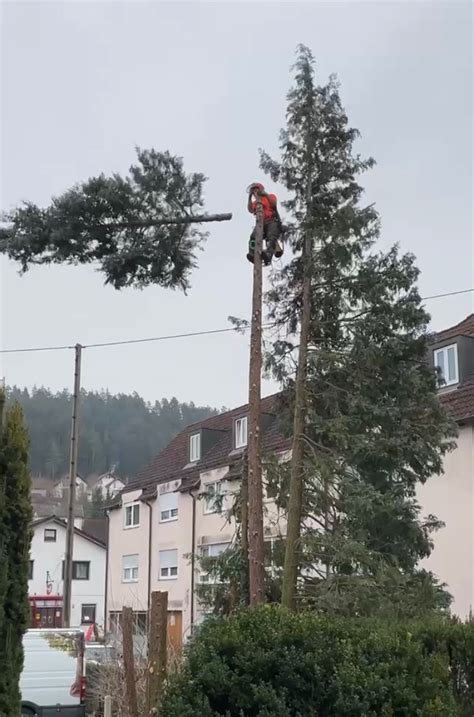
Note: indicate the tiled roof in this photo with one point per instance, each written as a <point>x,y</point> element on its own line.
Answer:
<point>460,401</point>
<point>171,463</point>
<point>464,328</point>
<point>59,521</point>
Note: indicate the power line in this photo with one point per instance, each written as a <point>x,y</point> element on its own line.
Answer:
<point>190,334</point>
<point>166,338</point>
<point>450,293</point>
<point>128,341</point>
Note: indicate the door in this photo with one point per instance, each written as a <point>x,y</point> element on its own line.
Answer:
<point>46,617</point>
<point>175,632</point>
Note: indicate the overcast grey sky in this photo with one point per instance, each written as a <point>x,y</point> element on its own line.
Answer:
<point>84,82</point>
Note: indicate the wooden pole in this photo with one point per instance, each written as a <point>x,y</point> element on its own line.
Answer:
<point>129,661</point>
<point>2,401</point>
<point>255,515</point>
<point>72,488</point>
<point>244,527</point>
<point>157,650</point>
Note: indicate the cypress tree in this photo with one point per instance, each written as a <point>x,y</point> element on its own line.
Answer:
<point>371,426</point>
<point>15,538</point>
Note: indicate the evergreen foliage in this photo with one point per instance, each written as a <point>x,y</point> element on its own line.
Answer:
<point>374,428</point>
<point>117,431</point>
<point>268,662</point>
<point>99,221</point>
<point>15,537</point>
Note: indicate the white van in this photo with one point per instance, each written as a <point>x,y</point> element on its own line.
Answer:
<point>52,683</point>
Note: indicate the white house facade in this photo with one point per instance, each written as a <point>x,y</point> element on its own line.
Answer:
<point>45,584</point>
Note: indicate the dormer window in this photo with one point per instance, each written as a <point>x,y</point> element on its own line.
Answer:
<point>240,432</point>
<point>446,361</point>
<point>194,447</point>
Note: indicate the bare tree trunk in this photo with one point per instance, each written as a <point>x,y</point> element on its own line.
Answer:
<point>244,528</point>
<point>295,505</point>
<point>255,520</point>
<point>157,650</point>
<point>197,219</point>
<point>128,660</point>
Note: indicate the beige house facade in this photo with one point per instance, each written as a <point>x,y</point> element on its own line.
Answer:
<point>179,505</point>
<point>451,496</point>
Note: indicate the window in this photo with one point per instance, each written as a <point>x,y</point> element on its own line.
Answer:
<point>80,570</point>
<point>88,614</point>
<point>194,447</point>
<point>49,535</point>
<point>240,432</point>
<point>139,622</point>
<point>446,360</point>
<point>30,569</point>
<point>212,550</point>
<point>213,497</point>
<point>168,507</point>
<point>168,564</point>
<point>132,515</point>
<point>130,568</point>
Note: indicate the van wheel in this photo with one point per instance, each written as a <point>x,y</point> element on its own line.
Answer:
<point>27,712</point>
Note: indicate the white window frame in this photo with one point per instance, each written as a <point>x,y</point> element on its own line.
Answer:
<point>130,572</point>
<point>131,507</point>
<point>194,447</point>
<point>170,571</point>
<point>168,503</point>
<point>209,502</point>
<point>208,548</point>
<point>240,432</point>
<point>444,353</point>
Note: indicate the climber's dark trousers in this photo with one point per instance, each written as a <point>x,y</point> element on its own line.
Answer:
<point>271,234</point>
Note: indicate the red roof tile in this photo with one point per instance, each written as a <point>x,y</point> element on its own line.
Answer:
<point>171,463</point>
<point>464,328</point>
<point>460,401</point>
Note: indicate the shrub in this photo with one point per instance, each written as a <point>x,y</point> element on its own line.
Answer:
<point>270,663</point>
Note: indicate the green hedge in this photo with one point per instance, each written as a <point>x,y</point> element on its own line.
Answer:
<point>269,663</point>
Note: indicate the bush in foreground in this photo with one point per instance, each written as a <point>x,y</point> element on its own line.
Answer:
<point>270,663</point>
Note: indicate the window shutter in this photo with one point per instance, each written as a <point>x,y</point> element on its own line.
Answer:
<point>168,558</point>
<point>168,501</point>
<point>130,561</point>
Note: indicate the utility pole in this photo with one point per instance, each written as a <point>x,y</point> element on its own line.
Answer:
<point>2,401</point>
<point>72,488</point>
<point>255,493</point>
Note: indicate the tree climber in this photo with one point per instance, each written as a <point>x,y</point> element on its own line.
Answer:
<point>272,226</point>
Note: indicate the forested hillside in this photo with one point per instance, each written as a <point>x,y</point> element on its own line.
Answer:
<point>122,431</point>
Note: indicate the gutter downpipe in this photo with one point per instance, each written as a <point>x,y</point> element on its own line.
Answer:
<point>106,620</point>
<point>193,558</point>
<point>150,526</point>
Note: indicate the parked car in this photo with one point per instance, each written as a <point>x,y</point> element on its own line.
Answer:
<point>52,683</point>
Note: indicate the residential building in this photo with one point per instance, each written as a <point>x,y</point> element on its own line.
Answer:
<point>190,483</point>
<point>46,578</point>
<point>62,486</point>
<point>108,483</point>
<point>178,505</point>
<point>451,497</point>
